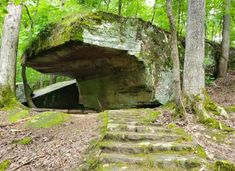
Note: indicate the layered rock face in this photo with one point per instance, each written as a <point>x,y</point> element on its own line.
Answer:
<point>118,62</point>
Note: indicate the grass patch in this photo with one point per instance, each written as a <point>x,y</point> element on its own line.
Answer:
<point>47,120</point>
<point>201,152</point>
<point>23,141</point>
<point>230,109</point>
<point>4,165</point>
<point>152,117</point>
<point>16,116</point>
<point>224,165</point>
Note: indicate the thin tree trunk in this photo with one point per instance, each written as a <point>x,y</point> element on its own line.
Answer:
<point>175,55</point>
<point>223,62</point>
<point>27,89</point>
<point>9,52</point>
<point>53,79</point>
<point>179,13</point>
<point>194,74</point>
<point>154,11</point>
<point>120,7</point>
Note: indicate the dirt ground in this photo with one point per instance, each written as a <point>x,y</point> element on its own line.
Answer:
<point>57,148</point>
<point>218,144</point>
<point>223,90</point>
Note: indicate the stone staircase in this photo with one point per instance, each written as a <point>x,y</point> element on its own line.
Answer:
<point>133,142</point>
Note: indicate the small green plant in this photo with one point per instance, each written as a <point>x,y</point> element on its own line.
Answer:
<point>151,117</point>
<point>230,109</point>
<point>224,165</point>
<point>23,141</point>
<point>4,165</point>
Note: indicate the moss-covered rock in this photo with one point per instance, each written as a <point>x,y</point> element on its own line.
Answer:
<point>15,115</point>
<point>118,62</point>
<point>47,120</point>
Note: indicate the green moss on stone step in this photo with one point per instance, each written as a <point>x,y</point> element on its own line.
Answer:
<point>223,165</point>
<point>23,141</point>
<point>150,118</point>
<point>4,165</point>
<point>47,120</point>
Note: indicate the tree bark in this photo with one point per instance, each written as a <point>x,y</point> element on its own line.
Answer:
<point>53,79</point>
<point>194,74</point>
<point>27,89</point>
<point>174,55</point>
<point>9,52</point>
<point>120,7</point>
<point>154,11</point>
<point>223,62</point>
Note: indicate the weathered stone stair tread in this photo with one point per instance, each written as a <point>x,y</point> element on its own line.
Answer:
<point>136,167</point>
<point>144,147</point>
<point>134,136</point>
<point>125,119</point>
<point>138,128</point>
<point>184,161</point>
<point>131,122</point>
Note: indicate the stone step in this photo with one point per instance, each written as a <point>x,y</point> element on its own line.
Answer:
<point>144,147</point>
<point>131,123</point>
<point>124,120</point>
<point>138,128</point>
<point>136,167</point>
<point>159,160</point>
<point>133,136</point>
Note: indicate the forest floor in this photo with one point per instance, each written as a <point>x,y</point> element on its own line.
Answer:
<point>63,146</point>
<point>222,90</point>
<point>60,147</point>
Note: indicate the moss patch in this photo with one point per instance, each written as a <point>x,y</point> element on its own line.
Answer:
<point>152,117</point>
<point>224,165</point>
<point>23,141</point>
<point>201,152</point>
<point>230,109</point>
<point>47,120</point>
<point>4,165</point>
<point>16,116</point>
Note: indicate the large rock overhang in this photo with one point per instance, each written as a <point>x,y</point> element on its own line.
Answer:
<point>118,62</point>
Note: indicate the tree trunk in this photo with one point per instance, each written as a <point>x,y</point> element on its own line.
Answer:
<point>223,62</point>
<point>53,79</point>
<point>120,7</point>
<point>175,55</point>
<point>27,89</point>
<point>9,52</point>
<point>154,11</point>
<point>194,74</point>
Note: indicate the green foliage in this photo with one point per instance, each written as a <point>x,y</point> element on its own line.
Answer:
<point>152,117</point>
<point>230,109</point>
<point>201,152</point>
<point>4,165</point>
<point>23,141</point>
<point>37,14</point>
<point>15,116</point>
<point>224,165</point>
<point>47,120</point>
